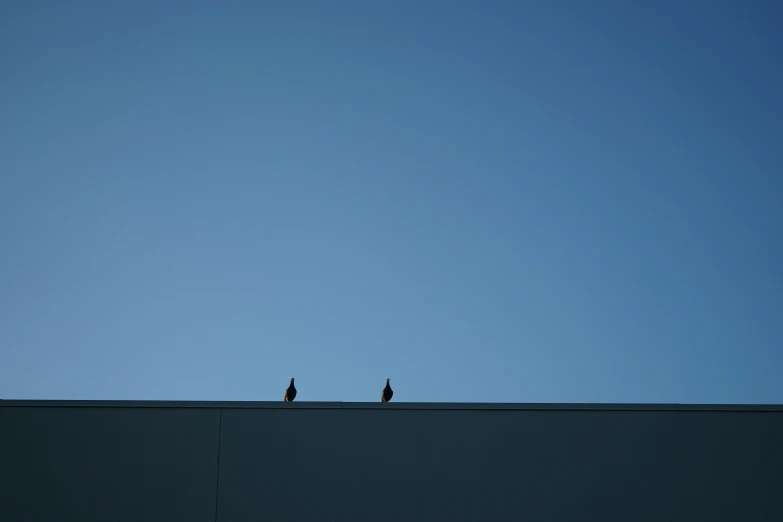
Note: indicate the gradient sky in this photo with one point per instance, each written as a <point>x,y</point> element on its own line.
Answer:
<point>484,201</point>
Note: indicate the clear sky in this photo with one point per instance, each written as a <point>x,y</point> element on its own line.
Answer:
<point>483,201</point>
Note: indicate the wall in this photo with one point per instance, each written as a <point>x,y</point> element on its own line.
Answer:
<point>373,462</point>
<point>108,464</point>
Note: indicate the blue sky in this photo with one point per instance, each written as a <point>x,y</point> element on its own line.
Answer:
<point>484,201</point>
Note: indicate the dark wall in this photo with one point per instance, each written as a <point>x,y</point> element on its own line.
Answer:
<point>425,465</point>
<point>294,463</point>
<point>103,464</point>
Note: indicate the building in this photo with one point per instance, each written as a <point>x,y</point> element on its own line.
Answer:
<point>342,462</point>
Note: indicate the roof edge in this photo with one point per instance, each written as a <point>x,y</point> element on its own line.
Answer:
<point>394,406</point>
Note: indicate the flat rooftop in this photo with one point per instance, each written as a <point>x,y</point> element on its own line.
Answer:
<point>305,405</point>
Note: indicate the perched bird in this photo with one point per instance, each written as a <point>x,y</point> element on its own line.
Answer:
<point>387,393</point>
<point>290,393</point>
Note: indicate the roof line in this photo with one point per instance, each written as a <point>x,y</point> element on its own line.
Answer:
<point>304,405</point>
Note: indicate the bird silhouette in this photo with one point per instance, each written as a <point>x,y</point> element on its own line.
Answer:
<point>387,393</point>
<point>290,393</point>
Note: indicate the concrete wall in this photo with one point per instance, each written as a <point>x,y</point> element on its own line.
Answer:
<point>371,462</point>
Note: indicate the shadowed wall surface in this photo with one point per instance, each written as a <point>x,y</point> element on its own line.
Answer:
<point>232,462</point>
<point>108,464</point>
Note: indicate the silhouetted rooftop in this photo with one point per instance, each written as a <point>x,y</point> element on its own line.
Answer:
<point>395,405</point>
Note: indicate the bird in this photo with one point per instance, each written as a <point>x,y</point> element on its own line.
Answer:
<point>387,393</point>
<point>290,393</point>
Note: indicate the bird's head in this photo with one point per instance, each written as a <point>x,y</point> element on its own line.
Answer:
<point>387,381</point>
<point>292,380</point>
